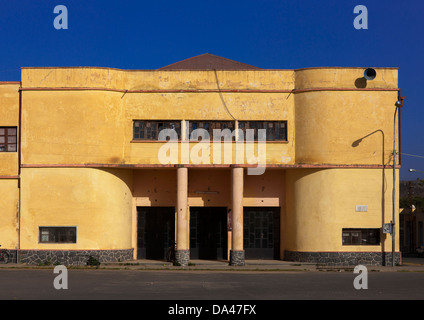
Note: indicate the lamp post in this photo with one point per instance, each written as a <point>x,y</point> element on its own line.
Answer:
<point>398,104</point>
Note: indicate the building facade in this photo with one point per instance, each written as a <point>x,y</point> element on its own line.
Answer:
<point>230,161</point>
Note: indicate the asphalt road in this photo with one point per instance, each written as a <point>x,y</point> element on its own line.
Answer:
<point>202,285</point>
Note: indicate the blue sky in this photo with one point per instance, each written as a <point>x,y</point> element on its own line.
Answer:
<point>283,34</point>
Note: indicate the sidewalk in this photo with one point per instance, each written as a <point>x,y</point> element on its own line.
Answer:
<point>408,265</point>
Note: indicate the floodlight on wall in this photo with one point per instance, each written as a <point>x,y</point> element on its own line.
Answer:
<point>370,74</point>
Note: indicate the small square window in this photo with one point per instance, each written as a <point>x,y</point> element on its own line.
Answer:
<point>8,139</point>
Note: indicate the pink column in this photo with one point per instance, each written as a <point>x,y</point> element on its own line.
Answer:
<point>182,253</point>
<point>237,252</point>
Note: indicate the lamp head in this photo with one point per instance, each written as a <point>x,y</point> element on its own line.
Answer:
<point>370,74</point>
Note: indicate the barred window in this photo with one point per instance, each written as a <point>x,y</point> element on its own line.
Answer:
<point>150,129</point>
<point>209,126</point>
<point>275,130</point>
<point>8,139</point>
<point>360,237</point>
<point>58,234</point>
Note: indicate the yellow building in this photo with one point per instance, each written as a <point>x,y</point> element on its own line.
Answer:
<point>299,166</point>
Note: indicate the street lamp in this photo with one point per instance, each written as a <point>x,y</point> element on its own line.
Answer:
<point>398,104</point>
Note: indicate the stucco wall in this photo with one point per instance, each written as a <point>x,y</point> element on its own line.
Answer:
<point>9,195</point>
<point>98,202</point>
<point>321,202</point>
<point>9,117</point>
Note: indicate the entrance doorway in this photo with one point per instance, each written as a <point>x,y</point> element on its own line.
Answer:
<point>208,233</point>
<point>261,232</point>
<point>155,231</point>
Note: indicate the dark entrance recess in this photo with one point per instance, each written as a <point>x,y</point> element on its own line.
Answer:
<point>261,233</point>
<point>208,233</point>
<point>155,231</point>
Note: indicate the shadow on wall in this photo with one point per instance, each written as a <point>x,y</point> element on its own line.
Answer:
<point>125,175</point>
<point>383,185</point>
<point>361,82</point>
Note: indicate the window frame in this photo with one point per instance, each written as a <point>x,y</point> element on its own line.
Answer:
<point>364,237</point>
<point>211,125</point>
<point>55,234</point>
<point>253,124</point>
<point>6,135</point>
<point>142,129</point>
<point>154,126</point>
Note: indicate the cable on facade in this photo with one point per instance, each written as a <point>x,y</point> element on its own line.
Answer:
<point>220,95</point>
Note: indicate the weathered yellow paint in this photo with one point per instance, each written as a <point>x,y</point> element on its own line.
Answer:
<point>76,117</point>
<point>95,126</point>
<point>319,78</point>
<point>94,77</point>
<point>9,117</point>
<point>98,202</point>
<point>320,203</point>
<point>331,124</point>
<point>9,213</point>
<point>9,101</point>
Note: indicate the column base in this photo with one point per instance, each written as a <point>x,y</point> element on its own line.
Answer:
<point>182,257</point>
<point>237,258</point>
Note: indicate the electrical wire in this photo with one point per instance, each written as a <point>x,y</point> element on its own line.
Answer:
<point>412,155</point>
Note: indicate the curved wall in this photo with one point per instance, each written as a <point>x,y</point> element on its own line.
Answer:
<point>320,203</point>
<point>339,122</point>
<point>97,201</point>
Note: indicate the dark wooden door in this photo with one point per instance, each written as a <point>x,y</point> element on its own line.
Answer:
<point>261,232</point>
<point>155,231</point>
<point>208,233</point>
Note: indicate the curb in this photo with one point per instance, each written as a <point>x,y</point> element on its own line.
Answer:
<point>263,266</point>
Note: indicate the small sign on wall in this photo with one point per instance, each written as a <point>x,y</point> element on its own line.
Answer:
<point>361,208</point>
<point>387,228</point>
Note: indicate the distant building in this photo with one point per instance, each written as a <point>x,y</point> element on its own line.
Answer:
<point>411,219</point>
<point>82,170</point>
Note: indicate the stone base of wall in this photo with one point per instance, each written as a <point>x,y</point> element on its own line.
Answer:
<point>72,257</point>
<point>12,255</point>
<point>182,257</point>
<point>236,258</point>
<point>344,258</point>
